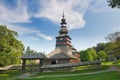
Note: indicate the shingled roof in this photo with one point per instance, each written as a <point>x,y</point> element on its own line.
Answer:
<point>33,56</point>
<point>60,53</point>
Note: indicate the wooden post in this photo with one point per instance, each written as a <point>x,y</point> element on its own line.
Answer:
<point>40,64</point>
<point>23,65</point>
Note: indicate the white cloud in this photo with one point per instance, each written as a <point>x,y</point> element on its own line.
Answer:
<point>21,30</point>
<point>35,34</point>
<point>51,9</point>
<point>74,11</point>
<point>18,14</point>
<point>45,36</point>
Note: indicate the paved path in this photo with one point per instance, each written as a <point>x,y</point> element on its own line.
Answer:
<point>27,75</point>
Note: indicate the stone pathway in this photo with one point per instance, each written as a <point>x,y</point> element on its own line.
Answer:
<point>27,75</point>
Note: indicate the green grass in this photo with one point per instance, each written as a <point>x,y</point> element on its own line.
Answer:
<point>111,63</point>
<point>9,75</point>
<point>117,63</point>
<point>99,76</point>
<point>76,70</point>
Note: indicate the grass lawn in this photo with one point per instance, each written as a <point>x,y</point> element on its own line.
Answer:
<point>117,63</point>
<point>99,76</point>
<point>76,70</point>
<point>9,75</point>
<point>111,63</point>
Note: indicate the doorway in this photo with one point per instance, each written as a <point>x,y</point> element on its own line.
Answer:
<point>54,61</point>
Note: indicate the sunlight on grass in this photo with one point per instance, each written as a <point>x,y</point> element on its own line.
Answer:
<point>107,63</point>
<point>4,75</point>
<point>111,63</point>
<point>99,76</point>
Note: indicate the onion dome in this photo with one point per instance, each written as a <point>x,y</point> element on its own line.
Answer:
<point>63,26</point>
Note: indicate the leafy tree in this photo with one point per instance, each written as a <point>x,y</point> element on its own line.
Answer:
<point>114,39</point>
<point>28,50</point>
<point>100,46</point>
<point>109,46</point>
<point>88,55</point>
<point>10,47</point>
<point>102,55</point>
<point>93,53</point>
<point>83,55</point>
<point>114,3</point>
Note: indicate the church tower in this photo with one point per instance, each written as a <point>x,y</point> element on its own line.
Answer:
<point>64,52</point>
<point>63,39</point>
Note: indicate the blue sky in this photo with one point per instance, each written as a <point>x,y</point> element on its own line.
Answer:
<point>38,21</point>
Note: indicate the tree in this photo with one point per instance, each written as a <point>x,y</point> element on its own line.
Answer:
<point>93,53</point>
<point>114,3</point>
<point>114,39</point>
<point>83,55</point>
<point>88,55</point>
<point>102,55</point>
<point>100,46</point>
<point>28,50</point>
<point>10,47</point>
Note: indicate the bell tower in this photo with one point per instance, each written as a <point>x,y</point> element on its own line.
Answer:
<point>64,52</point>
<point>63,40</point>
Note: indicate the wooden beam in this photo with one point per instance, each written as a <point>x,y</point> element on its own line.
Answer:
<point>23,64</point>
<point>40,64</point>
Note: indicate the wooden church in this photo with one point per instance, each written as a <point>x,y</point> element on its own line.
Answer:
<point>64,52</point>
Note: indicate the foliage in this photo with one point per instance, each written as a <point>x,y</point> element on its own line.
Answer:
<point>114,3</point>
<point>93,53</point>
<point>102,55</point>
<point>83,55</point>
<point>10,48</point>
<point>88,55</point>
<point>100,46</point>
<point>113,46</point>
<point>109,46</point>
<point>114,38</point>
<point>28,50</point>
